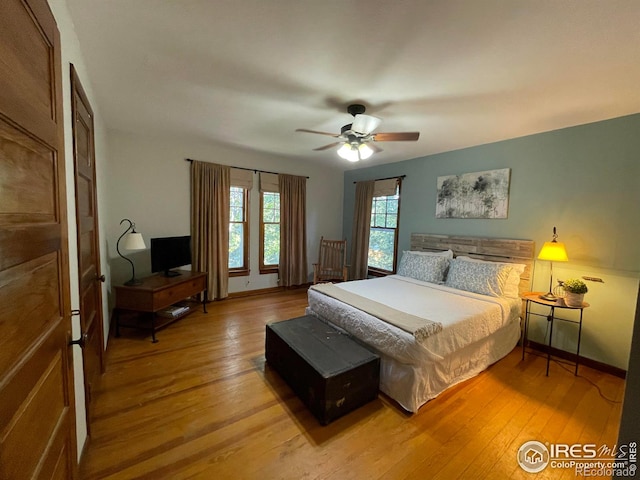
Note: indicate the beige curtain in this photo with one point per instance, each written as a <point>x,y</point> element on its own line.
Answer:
<point>360,232</point>
<point>293,230</point>
<point>210,190</point>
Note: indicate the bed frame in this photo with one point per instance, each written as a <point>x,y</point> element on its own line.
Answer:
<point>490,249</point>
<point>404,381</point>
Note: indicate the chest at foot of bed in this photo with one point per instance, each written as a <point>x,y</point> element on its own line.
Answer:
<point>330,372</point>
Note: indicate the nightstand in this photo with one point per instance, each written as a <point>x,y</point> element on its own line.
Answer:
<point>534,297</point>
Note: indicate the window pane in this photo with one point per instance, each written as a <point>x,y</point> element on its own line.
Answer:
<point>236,214</point>
<point>276,210</point>
<point>236,245</point>
<point>271,244</point>
<point>381,243</point>
<point>392,205</point>
<point>267,200</point>
<point>380,220</point>
<point>392,221</point>
<point>268,216</point>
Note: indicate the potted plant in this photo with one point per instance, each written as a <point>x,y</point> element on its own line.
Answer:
<point>575,290</point>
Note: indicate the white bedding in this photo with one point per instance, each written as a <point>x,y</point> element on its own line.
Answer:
<point>477,331</point>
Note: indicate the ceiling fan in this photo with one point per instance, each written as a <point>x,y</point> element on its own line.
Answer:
<point>357,139</point>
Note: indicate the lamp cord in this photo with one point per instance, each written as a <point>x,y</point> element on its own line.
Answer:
<point>563,365</point>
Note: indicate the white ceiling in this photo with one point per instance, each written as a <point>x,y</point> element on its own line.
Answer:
<point>463,73</point>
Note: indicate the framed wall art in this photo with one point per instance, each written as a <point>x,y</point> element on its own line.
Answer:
<point>474,195</point>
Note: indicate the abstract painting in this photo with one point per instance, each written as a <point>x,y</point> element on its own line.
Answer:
<point>474,195</point>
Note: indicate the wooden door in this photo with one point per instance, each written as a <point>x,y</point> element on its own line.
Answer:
<point>37,415</point>
<point>89,276</point>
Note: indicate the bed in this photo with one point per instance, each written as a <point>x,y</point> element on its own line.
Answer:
<point>453,309</point>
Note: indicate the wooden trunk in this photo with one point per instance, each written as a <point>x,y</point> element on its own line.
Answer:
<point>329,371</point>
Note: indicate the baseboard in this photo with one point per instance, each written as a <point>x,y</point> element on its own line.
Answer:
<point>263,291</point>
<point>587,362</point>
<point>249,293</point>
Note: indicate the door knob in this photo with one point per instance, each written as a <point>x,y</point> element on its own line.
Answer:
<point>101,278</point>
<point>81,342</point>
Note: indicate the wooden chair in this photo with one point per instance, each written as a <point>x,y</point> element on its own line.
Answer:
<point>332,260</point>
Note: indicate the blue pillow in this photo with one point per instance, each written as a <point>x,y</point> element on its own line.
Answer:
<point>428,268</point>
<point>484,278</point>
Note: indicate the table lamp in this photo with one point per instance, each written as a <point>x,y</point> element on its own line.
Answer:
<point>134,241</point>
<point>552,251</point>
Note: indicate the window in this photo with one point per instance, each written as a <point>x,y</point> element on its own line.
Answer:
<point>269,232</point>
<point>383,234</point>
<point>238,232</point>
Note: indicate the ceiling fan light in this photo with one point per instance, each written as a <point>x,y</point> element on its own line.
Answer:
<point>365,151</point>
<point>348,152</point>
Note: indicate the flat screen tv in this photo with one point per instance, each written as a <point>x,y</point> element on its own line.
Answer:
<point>170,252</point>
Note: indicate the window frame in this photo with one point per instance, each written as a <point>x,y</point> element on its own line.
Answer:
<point>265,269</point>
<point>244,270</point>
<point>379,272</point>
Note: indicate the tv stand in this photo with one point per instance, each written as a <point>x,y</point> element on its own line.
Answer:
<point>154,294</point>
<point>171,273</point>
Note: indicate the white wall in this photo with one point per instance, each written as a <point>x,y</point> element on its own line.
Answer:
<point>148,183</point>
<point>71,53</point>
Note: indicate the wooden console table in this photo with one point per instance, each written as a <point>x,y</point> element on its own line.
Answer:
<point>158,292</point>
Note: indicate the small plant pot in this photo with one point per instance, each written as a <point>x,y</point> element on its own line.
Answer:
<point>573,299</point>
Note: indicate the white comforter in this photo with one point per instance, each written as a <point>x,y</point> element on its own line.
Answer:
<point>466,317</point>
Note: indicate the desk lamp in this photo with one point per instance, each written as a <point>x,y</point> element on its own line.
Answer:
<point>552,251</point>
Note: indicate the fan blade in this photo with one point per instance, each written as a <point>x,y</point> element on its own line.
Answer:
<point>365,124</point>
<point>396,137</point>
<point>336,135</point>
<point>331,145</point>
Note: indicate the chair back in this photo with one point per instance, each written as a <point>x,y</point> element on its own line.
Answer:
<point>332,259</point>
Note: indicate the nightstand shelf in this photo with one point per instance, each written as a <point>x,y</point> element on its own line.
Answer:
<point>534,298</point>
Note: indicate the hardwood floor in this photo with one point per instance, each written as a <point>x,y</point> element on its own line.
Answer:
<point>202,404</point>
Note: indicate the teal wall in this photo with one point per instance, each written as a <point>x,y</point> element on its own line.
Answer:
<point>584,180</point>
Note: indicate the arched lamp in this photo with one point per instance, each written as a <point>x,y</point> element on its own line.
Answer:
<point>133,241</point>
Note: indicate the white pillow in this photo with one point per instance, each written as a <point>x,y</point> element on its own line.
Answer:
<point>444,253</point>
<point>512,286</point>
<point>486,278</point>
<point>428,268</point>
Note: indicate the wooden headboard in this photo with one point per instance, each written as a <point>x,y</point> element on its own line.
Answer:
<point>490,249</point>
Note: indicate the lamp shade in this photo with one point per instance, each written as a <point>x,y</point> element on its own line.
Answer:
<point>134,241</point>
<point>365,151</point>
<point>554,252</point>
<point>348,152</point>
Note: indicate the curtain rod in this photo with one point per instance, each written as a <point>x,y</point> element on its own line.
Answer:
<point>254,170</point>
<point>388,178</point>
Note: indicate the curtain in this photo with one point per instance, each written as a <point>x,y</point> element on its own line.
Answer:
<point>210,190</point>
<point>293,230</point>
<point>361,226</point>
